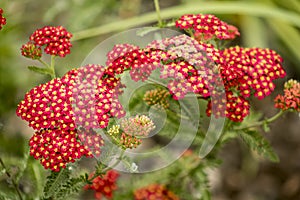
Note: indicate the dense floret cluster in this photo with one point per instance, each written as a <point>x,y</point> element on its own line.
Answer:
<point>207,26</point>
<point>54,39</point>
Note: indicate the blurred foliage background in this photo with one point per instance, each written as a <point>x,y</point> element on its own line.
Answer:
<point>262,23</point>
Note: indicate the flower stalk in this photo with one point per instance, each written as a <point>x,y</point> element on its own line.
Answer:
<point>260,123</point>
<point>157,9</point>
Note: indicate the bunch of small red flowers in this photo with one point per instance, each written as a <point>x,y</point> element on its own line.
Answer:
<point>104,185</point>
<point>2,19</point>
<point>63,126</point>
<point>291,98</point>
<point>206,26</point>
<point>54,39</point>
<point>197,66</point>
<point>154,191</point>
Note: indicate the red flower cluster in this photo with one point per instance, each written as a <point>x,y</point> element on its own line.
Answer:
<point>104,186</point>
<point>141,62</point>
<point>291,97</point>
<point>154,191</point>
<point>48,106</point>
<point>94,98</point>
<point>70,107</point>
<point>207,26</point>
<point>246,71</point>
<point>234,107</point>
<point>29,50</point>
<point>55,39</point>
<point>55,148</point>
<point>189,63</point>
<point>204,70</point>
<point>2,19</point>
<point>251,68</point>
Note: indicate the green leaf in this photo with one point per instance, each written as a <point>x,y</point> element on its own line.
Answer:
<point>38,177</point>
<point>40,70</point>
<point>259,144</point>
<point>55,181</point>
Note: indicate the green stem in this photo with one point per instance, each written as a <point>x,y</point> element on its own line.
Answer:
<point>116,163</point>
<point>52,67</point>
<point>12,180</point>
<point>190,32</point>
<point>157,9</point>
<point>107,168</point>
<point>260,123</point>
<point>44,63</point>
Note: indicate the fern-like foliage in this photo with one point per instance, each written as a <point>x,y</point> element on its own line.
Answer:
<point>71,187</point>
<point>259,144</point>
<point>54,183</point>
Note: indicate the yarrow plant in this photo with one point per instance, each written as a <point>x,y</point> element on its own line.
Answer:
<point>79,119</point>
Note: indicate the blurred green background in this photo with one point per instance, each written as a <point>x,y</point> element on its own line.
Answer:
<point>262,23</point>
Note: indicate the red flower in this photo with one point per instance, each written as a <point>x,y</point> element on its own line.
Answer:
<point>104,185</point>
<point>190,64</point>
<point>154,191</point>
<point>234,107</point>
<point>70,107</point>
<point>2,19</point>
<point>245,71</point>
<point>291,97</point>
<point>48,106</point>
<point>141,62</point>
<point>250,69</point>
<point>55,147</point>
<point>55,39</point>
<point>207,26</point>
